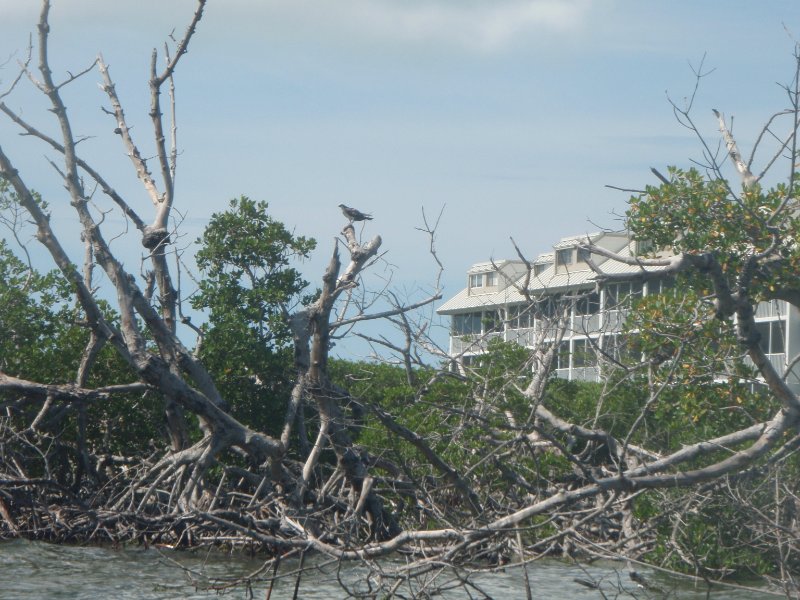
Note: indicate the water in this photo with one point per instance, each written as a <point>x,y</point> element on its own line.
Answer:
<point>40,570</point>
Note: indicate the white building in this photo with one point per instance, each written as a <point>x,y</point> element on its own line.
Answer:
<point>495,305</point>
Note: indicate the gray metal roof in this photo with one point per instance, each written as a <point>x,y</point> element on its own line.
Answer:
<point>488,266</point>
<point>574,240</point>
<point>548,281</point>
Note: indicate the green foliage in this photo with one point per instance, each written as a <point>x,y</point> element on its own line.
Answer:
<point>696,215</point>
<point>387,387</point>
<point>707,386</point>
<point>41,340</point>
<point>249,285</point>
<point>465,421</point>
<point>693,349</point>
<point>504,370</point>
<point>245,259</point>
<point>681,414</point>
<point>33,317</point>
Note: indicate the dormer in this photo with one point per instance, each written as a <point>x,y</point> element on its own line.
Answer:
<point>643,247</point>
<point>542,264</point>
<point>490,277</point>
<point>570,257</point>
<point>477,282</point>
<point>482,278</point>
<point>648,249</point>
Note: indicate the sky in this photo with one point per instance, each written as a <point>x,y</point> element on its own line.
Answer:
<point>510,117</point>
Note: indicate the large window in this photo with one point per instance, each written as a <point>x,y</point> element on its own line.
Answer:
<point>562,358</point>
<point>621,349</point>
<point>467,324</point>
<point>620,296</point>
<point>549,307</point>
<point>584,255</point>
<point>491,279</point>
<point>476,323</point>
<point>583,354</point>
<point>645,247</point>
<point>588,304</point>
<point>471,361</point>
<point>492,321</point>
<point>519,317</point>
<point>659,286</point>
<point>476,280</point>
<point>773,337</point>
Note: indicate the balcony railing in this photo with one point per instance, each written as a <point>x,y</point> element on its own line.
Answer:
<point>579,373</point>
<point>587,324</point>
<point>542,330</point>
<point>606,321</point>
<point>524,337</point>
<point>473,343</point>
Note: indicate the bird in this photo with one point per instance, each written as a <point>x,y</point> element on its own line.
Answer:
<point>354,214</point>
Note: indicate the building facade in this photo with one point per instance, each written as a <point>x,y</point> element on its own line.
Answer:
<point>559,297</point>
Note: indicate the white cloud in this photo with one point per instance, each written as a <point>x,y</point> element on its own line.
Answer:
<point>477,25</point>
<point>100,11</point>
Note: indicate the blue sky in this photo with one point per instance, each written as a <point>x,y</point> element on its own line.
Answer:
<point>512,114</point>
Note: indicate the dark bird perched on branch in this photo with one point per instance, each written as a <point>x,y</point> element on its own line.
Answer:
<point>354,214</point>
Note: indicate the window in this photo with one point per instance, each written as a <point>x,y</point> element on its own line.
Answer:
<point>564,256</point>
<point>645,247</point>
<point>772,336</point>
<point>584,255</point>
<point>620,296</point>
<point>539,269</point>
<point>477,322</point>
<point>583,354</point>
<point>525,318</point>
<point>588,304</point>
<point>492,321</point>
<point>621,349</point>
<point>476,281</point>
<point>659,286</point>
<point>471,361</point>
<point>491,279</point>
<point>519,317</point>
<point>467,324</point>
<point>562,358</point>
<point>547,306</point>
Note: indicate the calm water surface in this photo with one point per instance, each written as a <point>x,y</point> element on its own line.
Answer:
<point>40,570</point>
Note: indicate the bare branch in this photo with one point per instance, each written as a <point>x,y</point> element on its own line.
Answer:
<point>748,179</point>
